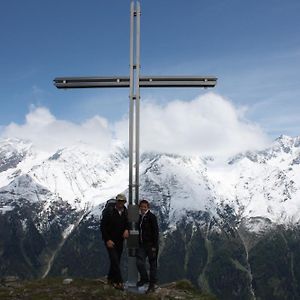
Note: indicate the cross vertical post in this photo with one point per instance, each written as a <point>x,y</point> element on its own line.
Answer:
<point>134,82</point>
<point>134,138</point>
<point>134,109</point>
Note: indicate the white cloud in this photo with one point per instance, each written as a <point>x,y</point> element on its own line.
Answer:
<point>208,125</point>
<point>50,134</point>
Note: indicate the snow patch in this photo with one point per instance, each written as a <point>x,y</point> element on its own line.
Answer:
<point>4,209</point>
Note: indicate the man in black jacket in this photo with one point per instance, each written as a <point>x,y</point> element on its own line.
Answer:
<point>115,228</point>
<point>148,246</point>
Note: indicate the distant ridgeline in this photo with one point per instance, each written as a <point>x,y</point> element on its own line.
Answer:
<point>232,230</point>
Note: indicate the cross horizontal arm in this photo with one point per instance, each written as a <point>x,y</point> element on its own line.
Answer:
<point>177,81</point>
<point>91,82</point>
<point>145,81</point>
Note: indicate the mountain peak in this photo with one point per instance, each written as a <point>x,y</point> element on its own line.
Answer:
<point>286,142</point>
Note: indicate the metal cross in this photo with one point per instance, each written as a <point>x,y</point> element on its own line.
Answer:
<point>135,81</point>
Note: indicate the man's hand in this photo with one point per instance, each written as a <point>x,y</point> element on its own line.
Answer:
<point>125,234</point>
<point>110,244</point>
<point>153,249</point>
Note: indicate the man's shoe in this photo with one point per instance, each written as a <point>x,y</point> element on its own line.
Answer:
<point>119,286</point>
<point>141,283</point>
<point>151,288</point>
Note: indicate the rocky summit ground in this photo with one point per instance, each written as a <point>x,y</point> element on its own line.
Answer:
<point>89,289</point>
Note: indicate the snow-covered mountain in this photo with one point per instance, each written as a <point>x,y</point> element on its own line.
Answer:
<point>226,224</point>
<point>255,184</point>
<point>79,175</point>
<point>264,183</point>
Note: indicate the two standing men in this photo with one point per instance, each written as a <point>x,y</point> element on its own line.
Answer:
<point>115,228</point>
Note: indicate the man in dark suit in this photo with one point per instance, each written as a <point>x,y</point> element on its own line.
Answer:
<point>115,228</point>
<point>148,246</point>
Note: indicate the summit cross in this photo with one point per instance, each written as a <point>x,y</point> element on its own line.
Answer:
<point>134,82</point>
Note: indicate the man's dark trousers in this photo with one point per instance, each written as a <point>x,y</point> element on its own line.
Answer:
<point>114,274</point>
<point>142,253</point>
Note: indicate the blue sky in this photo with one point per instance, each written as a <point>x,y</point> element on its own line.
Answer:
<point>252,46</point>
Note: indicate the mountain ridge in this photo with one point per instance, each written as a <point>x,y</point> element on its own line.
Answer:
<point>263,184</point>
<point>231,227</point>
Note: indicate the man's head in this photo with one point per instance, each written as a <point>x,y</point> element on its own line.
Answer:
<point>144,206</point>
<point>121,200</point>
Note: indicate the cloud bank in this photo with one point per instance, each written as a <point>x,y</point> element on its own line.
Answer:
<point>207,125</point>
<point>49,134</point>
